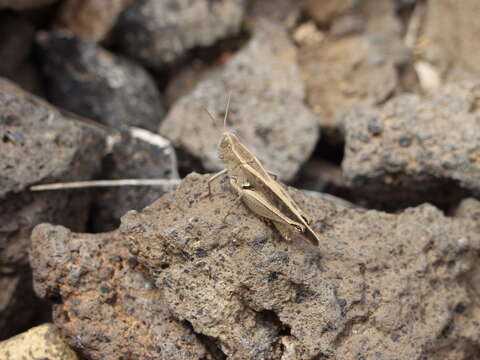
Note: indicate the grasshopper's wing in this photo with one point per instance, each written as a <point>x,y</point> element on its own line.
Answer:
<point>278,191</point>
<point>257,203</point>
<point>282,196</point>
<point>249,162</point>
<point>299,214</point>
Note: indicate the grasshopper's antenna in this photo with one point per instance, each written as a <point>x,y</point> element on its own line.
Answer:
<point>226,112</point>
<point>210,114</point>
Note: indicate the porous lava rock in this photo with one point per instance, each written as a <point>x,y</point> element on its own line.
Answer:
<point>416,149</point>
<point>104,303</point>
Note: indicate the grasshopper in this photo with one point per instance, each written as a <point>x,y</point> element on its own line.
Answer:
<point>257,188</point>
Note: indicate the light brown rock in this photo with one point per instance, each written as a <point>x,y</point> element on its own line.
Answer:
<point>41,342</point>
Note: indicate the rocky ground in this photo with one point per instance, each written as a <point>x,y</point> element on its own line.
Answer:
<point>366,109</point>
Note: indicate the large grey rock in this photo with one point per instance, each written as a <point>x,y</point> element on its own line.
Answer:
<point>266,110</point>
<point>158,33</point>
<point>379,285</point>
<point>38,144</point>
<point>90,81</point>
<point>413,150</point>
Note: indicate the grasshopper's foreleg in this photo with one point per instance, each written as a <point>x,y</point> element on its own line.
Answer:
<point>213,177</point>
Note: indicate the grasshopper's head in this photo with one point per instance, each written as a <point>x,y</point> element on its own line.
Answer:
<point>226,146</point>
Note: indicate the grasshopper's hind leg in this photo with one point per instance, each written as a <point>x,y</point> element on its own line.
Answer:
<point>235,203</point>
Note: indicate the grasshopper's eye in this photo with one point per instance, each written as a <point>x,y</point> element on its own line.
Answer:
<point>224,143</point>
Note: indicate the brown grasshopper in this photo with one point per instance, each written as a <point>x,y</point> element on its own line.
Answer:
<point>257,189</point>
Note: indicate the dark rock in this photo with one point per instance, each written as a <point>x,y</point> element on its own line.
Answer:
<point>379,285</point>
<point>16,37</point>
<point>413,150</point>
<point>92,82</point>
<point>267,108</point>
<point>24,4</point>
<point>158,33</point>
<point>324,177</point>
<point>16,40</point>
<point>131,318</point>
<point>38,144</point>
<point>138,154</point>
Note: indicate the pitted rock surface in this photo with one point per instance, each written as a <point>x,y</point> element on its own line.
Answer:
<point>104,304</point>
<point>267,108</point>
<point>413,149</point>
<point>39,143</point>
<point>379,285</point>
